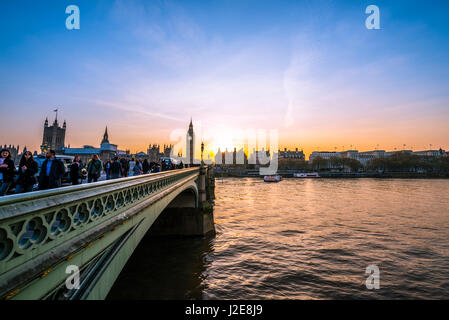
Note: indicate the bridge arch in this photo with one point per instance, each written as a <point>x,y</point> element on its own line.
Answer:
<point>186,198</point>
<point>181,216</point>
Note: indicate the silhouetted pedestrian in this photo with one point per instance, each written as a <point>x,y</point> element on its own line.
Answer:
<point>7,171</point>
<point>28,168</point>
<point>52,171</point>
<point>116,169</point>
<point>137,169</point>
<point>107,169</point>
<point>75,170</point>
<point>125,166</point>
<point>145,166</point>
<point>94,169</point>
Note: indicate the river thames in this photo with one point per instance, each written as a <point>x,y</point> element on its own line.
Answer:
<point>304,239</point>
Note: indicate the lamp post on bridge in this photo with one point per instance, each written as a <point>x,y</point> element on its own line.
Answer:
<point>202,179</point>
<point>202,150</point>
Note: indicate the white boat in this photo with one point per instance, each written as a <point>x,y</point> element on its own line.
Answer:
<point>306,175</point>
<point>275,178</point>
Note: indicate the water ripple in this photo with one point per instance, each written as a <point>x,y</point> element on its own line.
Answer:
<point>307,239</point>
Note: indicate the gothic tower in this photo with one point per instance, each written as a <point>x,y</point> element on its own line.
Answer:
<point>190,144</point>
<point>105,136</point>
<point>54,136</point>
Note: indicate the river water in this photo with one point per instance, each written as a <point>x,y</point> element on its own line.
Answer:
<point>304,239</point>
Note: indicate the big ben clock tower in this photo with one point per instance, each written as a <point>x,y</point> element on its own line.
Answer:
<point>190,148</point>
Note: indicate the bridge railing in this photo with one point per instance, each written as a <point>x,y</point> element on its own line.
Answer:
<point>35,223</point>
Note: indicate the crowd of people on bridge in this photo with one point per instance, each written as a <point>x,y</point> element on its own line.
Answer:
<point>51,173</point>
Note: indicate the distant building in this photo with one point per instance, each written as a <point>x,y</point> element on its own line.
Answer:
<point>323,154</point>
<point>363,157</point>
<point>167,150</point>
<point>220,157</point>
<point>259,157</point>
<point>289,154</point>
<point>106,151</point>
<point>390,153</point>
<point>154,152</point>
<point>54,136</point>
<point>366,156</point>
<point>231,158</point>
<point>430,153</point>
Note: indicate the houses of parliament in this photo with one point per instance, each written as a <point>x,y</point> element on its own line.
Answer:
<point>54,139</point>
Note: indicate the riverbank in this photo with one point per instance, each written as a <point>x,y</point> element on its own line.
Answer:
<point>245,173</point>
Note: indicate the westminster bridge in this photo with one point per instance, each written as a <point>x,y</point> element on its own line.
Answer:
<point>94,229</point>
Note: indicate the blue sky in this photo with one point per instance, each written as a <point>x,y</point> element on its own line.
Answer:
<point>307,68</point>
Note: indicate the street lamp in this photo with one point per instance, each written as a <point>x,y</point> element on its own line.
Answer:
<point>202,150</point>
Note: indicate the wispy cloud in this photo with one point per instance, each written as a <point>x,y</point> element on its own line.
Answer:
<point>138,109</point>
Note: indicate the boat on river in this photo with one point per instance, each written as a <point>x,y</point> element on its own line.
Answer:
<point>306,175</point>
<point>274,178</point>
